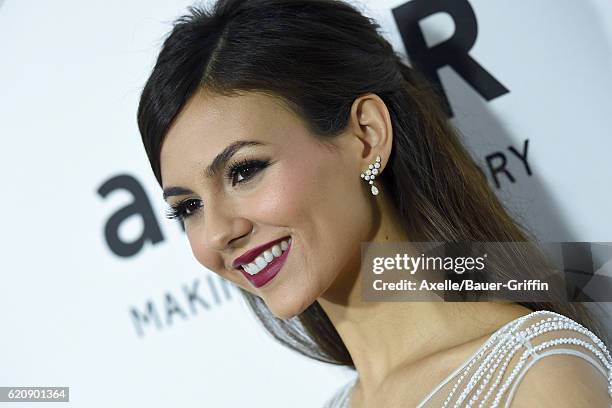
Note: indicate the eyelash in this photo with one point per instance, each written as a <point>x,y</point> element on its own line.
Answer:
<point>178,211</point>
<point>242,165</point>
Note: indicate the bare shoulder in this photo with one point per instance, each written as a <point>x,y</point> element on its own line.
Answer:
<point>562,381</point>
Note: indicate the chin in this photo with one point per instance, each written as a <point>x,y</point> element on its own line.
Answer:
<point>287,308</point>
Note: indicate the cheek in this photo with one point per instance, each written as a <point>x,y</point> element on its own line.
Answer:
<point>316,197</point>
<point>289,196</point>
<point>308,181</point>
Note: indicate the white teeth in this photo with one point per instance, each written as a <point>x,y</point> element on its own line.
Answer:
<point>248,269</point>
<point>266,257</point>
<point>260,261</point>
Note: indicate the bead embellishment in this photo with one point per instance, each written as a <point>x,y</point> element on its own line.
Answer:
<point>510,343</point>
<point>370,174</point>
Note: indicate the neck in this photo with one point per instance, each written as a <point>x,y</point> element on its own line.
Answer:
<point>386,337</point>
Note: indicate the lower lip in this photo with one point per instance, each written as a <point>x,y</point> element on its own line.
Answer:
<point>269,271</point>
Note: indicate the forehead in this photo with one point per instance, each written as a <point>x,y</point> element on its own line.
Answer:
<point>209,122</point>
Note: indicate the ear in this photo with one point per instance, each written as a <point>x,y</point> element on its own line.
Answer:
<point>371,124</point>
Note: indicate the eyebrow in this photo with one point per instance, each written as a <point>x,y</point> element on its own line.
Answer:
<point>218,163</point>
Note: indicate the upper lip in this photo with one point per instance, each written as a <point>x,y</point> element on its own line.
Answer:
<point>250,255</point>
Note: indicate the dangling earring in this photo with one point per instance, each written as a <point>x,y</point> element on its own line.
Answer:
<point>370,174</point>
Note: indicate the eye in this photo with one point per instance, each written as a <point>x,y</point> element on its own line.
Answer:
<point>183,209</point>
<point>245,170</point>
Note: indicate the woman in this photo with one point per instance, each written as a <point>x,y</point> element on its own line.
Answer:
<point>260,119</point>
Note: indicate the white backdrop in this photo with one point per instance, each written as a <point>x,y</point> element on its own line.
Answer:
<point>72,311</point>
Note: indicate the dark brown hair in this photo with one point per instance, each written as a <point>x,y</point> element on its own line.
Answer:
<point>318,56</point>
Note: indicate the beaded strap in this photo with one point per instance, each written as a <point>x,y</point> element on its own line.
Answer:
<point>561,322</point>
<point>511,342</point>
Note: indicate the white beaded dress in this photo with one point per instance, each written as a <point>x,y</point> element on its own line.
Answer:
<point>490,377</point>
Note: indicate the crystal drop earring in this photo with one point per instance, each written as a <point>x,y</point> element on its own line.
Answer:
<point>370,174</point>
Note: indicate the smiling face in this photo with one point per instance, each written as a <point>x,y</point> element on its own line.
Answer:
<point>293,185</point>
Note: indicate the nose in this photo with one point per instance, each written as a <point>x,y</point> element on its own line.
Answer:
<point>222,226</point>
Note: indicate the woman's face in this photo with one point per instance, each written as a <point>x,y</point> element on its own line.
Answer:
<point>295,187</point>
